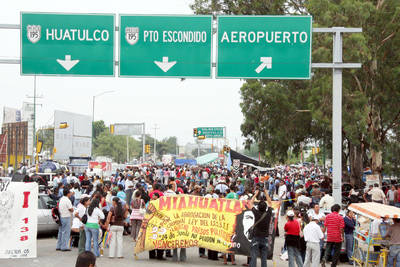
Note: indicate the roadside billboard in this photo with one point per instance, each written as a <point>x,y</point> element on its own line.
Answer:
<point>76,139</point>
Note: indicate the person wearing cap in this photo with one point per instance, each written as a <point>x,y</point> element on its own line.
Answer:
<point>292,240</point>
<point>313,235</point>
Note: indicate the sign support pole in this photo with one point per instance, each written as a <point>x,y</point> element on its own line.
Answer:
<point>144,142</point>
<point>337,66</point>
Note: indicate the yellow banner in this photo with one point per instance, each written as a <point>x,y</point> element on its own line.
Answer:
<point>184,221</point>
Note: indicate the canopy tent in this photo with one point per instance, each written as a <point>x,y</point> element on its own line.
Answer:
<point>374,210</point>
<point>243,158</point>
<point>208,158</point>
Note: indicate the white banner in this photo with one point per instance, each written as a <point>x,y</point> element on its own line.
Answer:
<point>18,223</point>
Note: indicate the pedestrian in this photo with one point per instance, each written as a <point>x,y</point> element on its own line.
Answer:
<point>259,238</point>
<point>80,211</point>
<point>377,195</point>
<point>92,226</point>
<point>64,230</point>
<point>334,226</point>
<point>282,194</point>
<point>326,202</point>
<point>137,215</point>
<point>391,194</point>
<point>86,259</point>
<point>129,189</point>
<point>313,235</point>
<point>394,242</point>
<point>116,219</point>
<point>292,240</point>
<point>349,226</point>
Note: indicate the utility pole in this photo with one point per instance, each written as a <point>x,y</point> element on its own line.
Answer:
<point>155,141</point>
<point>94,99</point>
<point>35,96</point>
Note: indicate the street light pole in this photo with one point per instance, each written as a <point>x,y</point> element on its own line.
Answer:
<point>94,99</point>
<point>155,141</point>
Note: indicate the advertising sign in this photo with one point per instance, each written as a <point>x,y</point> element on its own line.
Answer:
<point>18,224</point>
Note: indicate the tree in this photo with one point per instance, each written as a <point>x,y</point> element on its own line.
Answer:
<point>370,94</point>
<point>98,128</point>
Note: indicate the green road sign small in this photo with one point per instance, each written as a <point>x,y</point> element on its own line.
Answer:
<point>165,46</point>
<point>211,132</point>
<point>67,44</point>
<point>264,47</point>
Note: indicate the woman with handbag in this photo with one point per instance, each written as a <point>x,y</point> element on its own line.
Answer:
<point>137,215</point>
<point>116,218</point>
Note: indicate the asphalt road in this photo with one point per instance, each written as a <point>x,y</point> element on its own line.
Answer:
<point>49,257</point>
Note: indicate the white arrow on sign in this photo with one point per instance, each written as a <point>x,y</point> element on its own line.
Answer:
<point>68,64</point>
<point>165,65</point>
<point>266,62</point>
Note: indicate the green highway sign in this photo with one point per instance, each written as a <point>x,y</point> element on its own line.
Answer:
<point>264,47</point>
<point>211,132</point>
<point>67,44</point>
<point>165,46</point>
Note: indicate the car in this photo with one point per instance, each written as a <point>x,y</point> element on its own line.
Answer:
<point>46,224</point>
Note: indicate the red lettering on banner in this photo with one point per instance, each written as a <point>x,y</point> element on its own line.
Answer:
<point>23,238</point>
<point>25,220</point>
<point>182,203</point>
<point>174,200</point>
<point>165,201</point>
<point>203,203</point>
<point>26,198</point>
<point>213,204</point>
<point>221,203</point>
<point>193,202</point>
<point>238,207</point>
<point>24,229</point>
<point>228,208</point>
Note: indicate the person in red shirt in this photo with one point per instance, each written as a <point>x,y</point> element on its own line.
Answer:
<point>292,240</point>
<point>334,226</point>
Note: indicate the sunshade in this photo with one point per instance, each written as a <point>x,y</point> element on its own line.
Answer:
<point>208,158</point>
<point>374,210</point>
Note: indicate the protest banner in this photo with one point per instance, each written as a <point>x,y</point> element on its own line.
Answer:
<point>184,221</point>
<point>18,224</point>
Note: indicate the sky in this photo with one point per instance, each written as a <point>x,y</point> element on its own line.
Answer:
<point>175,106</point>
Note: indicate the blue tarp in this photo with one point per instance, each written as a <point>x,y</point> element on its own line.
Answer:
<point>180,162</point>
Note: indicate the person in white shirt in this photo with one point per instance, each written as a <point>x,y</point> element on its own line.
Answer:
<point>77,221</point>
<point>282,192</point>
<point>170,192</point>
<point>316,212</point>
<point>312,235</point>
<point>129,187</point>
<point>302,199</point>
<point>56,181</point>
<point>326,202</point>
<point>65,209</point>
<point>92,226</point>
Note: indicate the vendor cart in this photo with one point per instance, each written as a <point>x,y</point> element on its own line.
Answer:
<point>365,238</point>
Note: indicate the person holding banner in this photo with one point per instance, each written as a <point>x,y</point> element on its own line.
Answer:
<point>258,232</point>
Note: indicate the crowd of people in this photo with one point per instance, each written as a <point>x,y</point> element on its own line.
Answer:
<point>89,207</point>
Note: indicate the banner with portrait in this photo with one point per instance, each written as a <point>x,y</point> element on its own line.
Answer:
<point>185,221</point>
<point>18,223</point>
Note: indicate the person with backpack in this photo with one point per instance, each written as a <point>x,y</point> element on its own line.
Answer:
<point>65,210</point>
<point>94,214</point>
